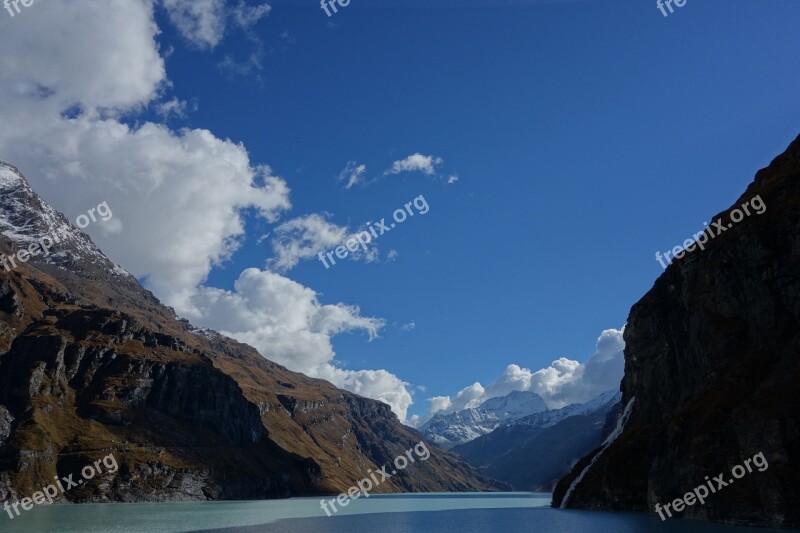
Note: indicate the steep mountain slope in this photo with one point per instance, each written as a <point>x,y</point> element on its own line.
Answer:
<point>712,366</point>
<point>92,364</point>
<point>450,429</point>
<point>539,462</point>
<point>74,260</point>
<point>532,453</point>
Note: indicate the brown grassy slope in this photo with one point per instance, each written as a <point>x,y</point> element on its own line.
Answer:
<point>86,371</point>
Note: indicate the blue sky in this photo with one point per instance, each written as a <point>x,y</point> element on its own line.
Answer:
<point>586,135</point>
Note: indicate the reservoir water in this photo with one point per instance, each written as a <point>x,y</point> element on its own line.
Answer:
<point>401,513</point>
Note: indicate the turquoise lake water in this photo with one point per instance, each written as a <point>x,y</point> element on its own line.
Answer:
<point>401,513</point>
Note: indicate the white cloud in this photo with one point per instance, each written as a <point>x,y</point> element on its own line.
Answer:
<point>439,403</point>
<point>168,228</point>
<point>287,324</point>
<point>377,384</point>
<point>201,22</point>
<point>178,197</point>
<point>281,318</point>
<point>416,163</point>
<point>174,107</point>
<point>305,237</point>
<point>353,174</point>
<point>392,255</point>
<point>564,382</point>
<point>452,179</point>
<point>55,58</point>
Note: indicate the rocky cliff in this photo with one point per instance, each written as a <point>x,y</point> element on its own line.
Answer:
<point>91,364</point>
<point>712,361</point>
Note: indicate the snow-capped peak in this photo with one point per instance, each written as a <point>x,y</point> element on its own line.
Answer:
<point>26,219</point>
<point>514,405</point>
<point>517,408</point>
<point>449,429</point>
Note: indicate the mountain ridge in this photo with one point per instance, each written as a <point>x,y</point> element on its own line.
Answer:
<point>90,360</point>
<point>450,429</point>
<point>534,452</point>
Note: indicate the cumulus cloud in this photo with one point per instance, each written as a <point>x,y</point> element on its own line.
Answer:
<point>564,382</point>
<point>178,197</point>
<point>281,318</point>
<point>286,323</point>
<point>352,174</point>
<point>172,231</point>
<point>439,403</point>
<point>416,163</point>
<point>167,228</point>
<point>70,67</point>
<point>377,384</point>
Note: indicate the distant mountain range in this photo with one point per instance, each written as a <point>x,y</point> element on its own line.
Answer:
<point>533,452</point>
<point>517,439</point>
<point>450,429</point>
<point>92,364</point>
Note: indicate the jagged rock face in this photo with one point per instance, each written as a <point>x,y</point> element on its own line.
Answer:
<point>713,360</point>
<point>91,364</point>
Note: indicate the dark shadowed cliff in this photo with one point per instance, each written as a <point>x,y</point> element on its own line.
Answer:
<point>712,361</point>
<point>92,364</point>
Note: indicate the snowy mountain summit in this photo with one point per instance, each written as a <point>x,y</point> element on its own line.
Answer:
<point>515,405</point>
<point>26,219</point>
<point>450,429</point>
<point>519,408</point>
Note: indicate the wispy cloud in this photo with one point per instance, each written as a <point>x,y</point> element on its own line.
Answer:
<point>353,174</point>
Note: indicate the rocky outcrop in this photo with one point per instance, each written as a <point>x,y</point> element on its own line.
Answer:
<point>713,362</point>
